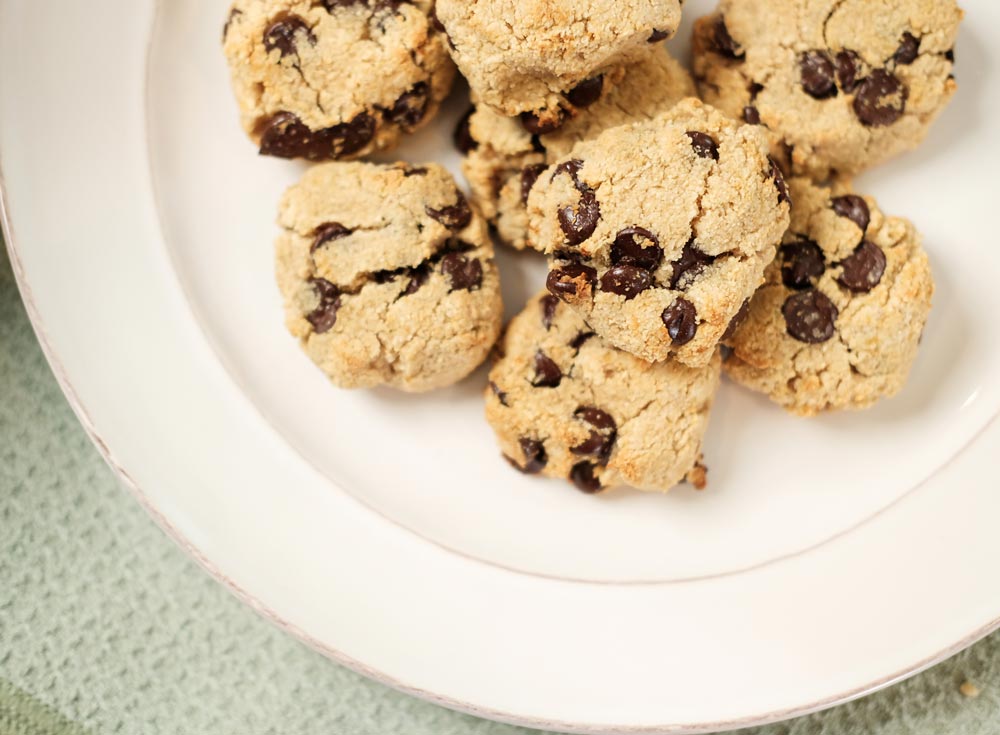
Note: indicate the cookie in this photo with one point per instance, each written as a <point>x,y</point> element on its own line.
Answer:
<point>840,85</point>
<point>387,275</point>
<point>839,319</point>
<point>659,231</point>
<point>335,79</point>
<point>565,404</point>
<point>503,160</point>
<point>543,60</point>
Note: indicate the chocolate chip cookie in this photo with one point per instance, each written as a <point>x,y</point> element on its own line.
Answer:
<point>838,322</point>
<point>387,275</point>
<point>503,160</point>
<point>335,79</point>
<point>543,60</point>
<point>660,231</point>
<point>566,404</point>
<point>841,85</point>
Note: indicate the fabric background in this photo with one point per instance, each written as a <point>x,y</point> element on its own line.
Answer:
<point>107,627</point>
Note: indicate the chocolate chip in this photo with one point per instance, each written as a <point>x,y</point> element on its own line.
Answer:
<point>549,305</point>
<point>454,245</point>
<point>737,320</point>
<point>582,475</point>
<point>909,48</point>
<point>638,247</point>
<point>779,181</point>
<point>547,373</point>
<point>596,445</point>
<point>572,279</point>
<point>863,269</point>
<point>802,261</point>
<point>282,33</point>
<point>817,74</point>
<point>350,137</point>
<point>455,217</point>
<point>529,177</point>
<point>414,171</point>
<point>810,316</point>
<point>463,133</point>
<point>233,14</point>
<point>853,207</point>
<point>627,281</point>
<point>681,321</point>
<point>687,267</point>
<point>595,417</point>
<point>755,88</point>
<point>848,64</point>
<point>285,136</point>
<point>949,55</point>
<point>501,395</point>
<point>704,145</point>
<point>418,277</point>
<point>751,115</point>
<point>324,316</point>
<point>328,233</point>
<point>586,92</point>
<point>724,43</point>
<point>387,276</point>
<point>602,437</point>
<point>411,107</point>
<point>465,274</point>
<point>537,126</point>
<point>332,5</point>
<point>880,99</point>
<point>571,167</point>
<point>581,339</point>
<point>535,457</point>
<point>658,36</point>
<point>579,222</point>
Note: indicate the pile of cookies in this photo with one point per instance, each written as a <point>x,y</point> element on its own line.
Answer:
<point>692,225</point>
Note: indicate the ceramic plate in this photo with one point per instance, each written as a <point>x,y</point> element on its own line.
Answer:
<point>828,558</point>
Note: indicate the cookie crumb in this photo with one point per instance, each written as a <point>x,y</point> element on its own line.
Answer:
<point>969,690</point>
<point>698,476</point>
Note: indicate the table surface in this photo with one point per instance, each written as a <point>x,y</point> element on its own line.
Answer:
<point>107,627</point>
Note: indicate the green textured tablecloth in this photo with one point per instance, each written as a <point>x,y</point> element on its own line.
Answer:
<point>107,627</point>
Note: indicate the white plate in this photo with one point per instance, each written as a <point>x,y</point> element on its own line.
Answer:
<point>828,558</point>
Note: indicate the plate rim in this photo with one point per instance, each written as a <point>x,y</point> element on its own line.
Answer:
<point>121,471</point>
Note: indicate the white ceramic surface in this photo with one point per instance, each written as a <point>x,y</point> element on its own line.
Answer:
<point>827,558</point>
